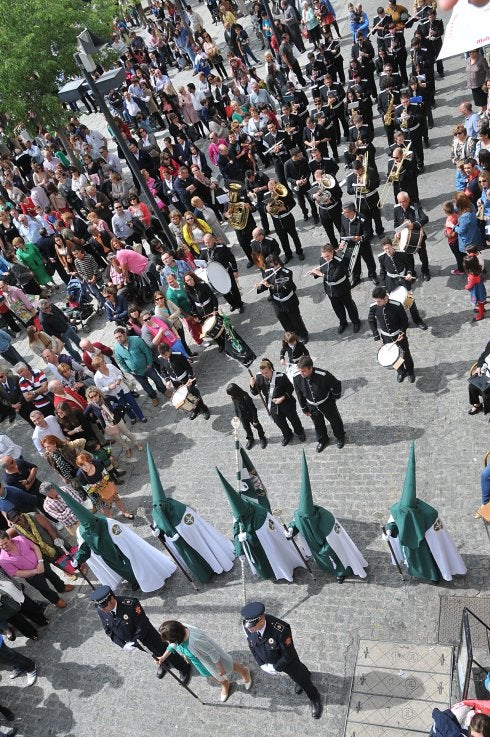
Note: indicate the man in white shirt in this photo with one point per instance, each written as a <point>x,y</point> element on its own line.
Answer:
<point>43,426</point>
<point>112,160</point>
<point>29,227</point>
<point>94,138</point>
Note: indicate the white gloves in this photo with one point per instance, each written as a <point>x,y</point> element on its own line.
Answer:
<point>290,533</point>
<point>174,538</point>
<point>242,537</point>
<point>155,531</point>
<point>129,646</point>
<point>386,536</point>
<point>74,564</point>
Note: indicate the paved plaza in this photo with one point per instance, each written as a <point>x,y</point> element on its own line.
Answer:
<point>87,686</point>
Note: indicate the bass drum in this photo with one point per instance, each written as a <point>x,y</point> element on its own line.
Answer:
<point>390,355</point>
<point>218,277</point>
<point>182,399</point>
<point>212,327</point>
<point>411,240</point>
<point>202,274</point>
<point>403,296</point>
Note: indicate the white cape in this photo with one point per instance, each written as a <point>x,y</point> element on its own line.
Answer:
<point>206,540</point>
<point>444,551</point>
<point>100,569</point>
<point>281,553</point>
<point>150,567</point>
<point>347,551</point>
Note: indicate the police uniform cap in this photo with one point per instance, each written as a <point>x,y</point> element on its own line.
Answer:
<point>101,596</point>
<point>252,612</point>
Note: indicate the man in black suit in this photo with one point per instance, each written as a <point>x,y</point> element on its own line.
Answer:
<point>12,399</point>
<point>297,174</point>
<point>277,392</point>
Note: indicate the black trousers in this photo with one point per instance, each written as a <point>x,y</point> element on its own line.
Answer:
<point>408,368</point>
<point>244,238</point>
<point>40,582</point>
<point>302,199</point>
<point>234,298</point>
<point>343,304</point>
<point>14,658</point>
<point>328,219</point>
<point>327,411</point>
<point>299,673</point>
<point>157,647</point>
<point>458,255</point>
<point>366,253</point>
<point>390,133</point>
<point>374,212</point>
<point>415,314</point>
<point>291,319</point>
<point>247,426</point>
<point>29,609</point>
<point>282,418</point>
<point>284,228</point>
<point>424,259</point>
<point>279,169</point>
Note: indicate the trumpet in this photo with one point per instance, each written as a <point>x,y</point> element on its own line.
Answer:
<point>394,175</point>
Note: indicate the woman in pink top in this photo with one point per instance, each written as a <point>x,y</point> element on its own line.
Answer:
<point>213,148</point>
<point>23,559</point>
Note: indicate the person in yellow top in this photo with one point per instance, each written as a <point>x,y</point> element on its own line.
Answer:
<point>194,230</point>
<point>397,13</point>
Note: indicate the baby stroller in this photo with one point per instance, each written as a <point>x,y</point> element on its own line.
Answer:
<point>79,305</point>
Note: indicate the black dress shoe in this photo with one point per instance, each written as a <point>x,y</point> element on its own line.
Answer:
<point>185,676</point>
<point>161,670</point>
<point>355,283</point>
<point>340,579</point>
<point>250,264</point>
<point>341,328</point>
<point>12,415</point>
<point>426,277</point>
<point>316,220</point>
<point>422,325</point>
<point>205,413</point>
<point>193,414</point>
<point>305,217</point>
<point>250,444</point>
<point>263,442</point>
<point>298,689</point>
<point>301,437</point>
<point>316,709</point>
<point>287,440</point>
<point>374,279</point>
<point>411,378</point>
<point>356,326</point>
<point>287,260</point>
<point>400,378</point>
<point>321,446</point>
<point>241,309</point>
<point>340,443</point>
<point>301,256</point>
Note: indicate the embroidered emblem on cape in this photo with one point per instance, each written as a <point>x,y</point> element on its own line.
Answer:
<point>116,530</point>
<point>188,519</point>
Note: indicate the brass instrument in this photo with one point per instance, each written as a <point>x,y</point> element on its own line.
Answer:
<point>394,175</point>
<point>238,212</point>
<point>388,116</point>
<point>323,196</point>
<point>479,210</point>
<point>275,205</point>
<point>404,117</point>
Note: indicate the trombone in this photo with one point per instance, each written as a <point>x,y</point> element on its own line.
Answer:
<point>393,176</point>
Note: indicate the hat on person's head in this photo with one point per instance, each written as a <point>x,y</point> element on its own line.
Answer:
<point>101,596</point>
<point>252,613</point>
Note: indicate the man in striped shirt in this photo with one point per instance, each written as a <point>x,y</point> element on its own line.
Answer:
<point>88,270</point>
<point>34,388</point>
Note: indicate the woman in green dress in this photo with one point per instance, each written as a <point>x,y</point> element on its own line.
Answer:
<point>207,657</point>
<point>29,254</point>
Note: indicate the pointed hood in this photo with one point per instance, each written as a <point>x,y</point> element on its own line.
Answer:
<point>166,512</point>
<point>251,485</point>
<point>306,505</point>
<point>87,519</point>
<point>412,516</point>
<point>314,522</point>
<point>240,506</point>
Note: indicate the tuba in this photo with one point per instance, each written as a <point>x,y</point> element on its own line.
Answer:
<point>238,211</point>
<point>275,204</point>
<point>324,195</point>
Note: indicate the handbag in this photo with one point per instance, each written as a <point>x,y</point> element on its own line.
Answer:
<point>482,383</point>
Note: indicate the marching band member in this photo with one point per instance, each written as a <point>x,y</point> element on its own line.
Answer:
<point>277,392</point>
<point>276,146</point>
<point>388,100</point>
<point>256,186</point>
<point>297,174</point>
<point>337,287</point>
<point>177,371</point>
<point>363,184</point>
<point>264,246</point>
<point>396,270</point>
<point>329,203</point>
<point>279,282</point>
<point>409,119</point>
<point>402,173</point>
<point>317,391</point>
<point>326,164</point>
<point>412,216</point>
<point>389,322</point>
<point>280,209</point>
<point>355,231</point>
<point>223,255</point>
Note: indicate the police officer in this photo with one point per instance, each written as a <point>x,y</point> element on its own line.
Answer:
<point>277,391</point>
<point>337,287</point>
<point>125,622</point>
<point>396,270</point>
<point>282,289</point>
<point>389,322</point>
<point>271,643</point>
<point>356,232</point>
<point>177,371</point>
<point>223,255</point>
<point>317,392</point>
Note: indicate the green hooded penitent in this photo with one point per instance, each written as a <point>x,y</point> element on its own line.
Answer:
<point>251,485</point>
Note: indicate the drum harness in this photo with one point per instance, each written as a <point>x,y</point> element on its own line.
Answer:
<point>397,274</point>
<point>390,334</point>
<point>312,401</point>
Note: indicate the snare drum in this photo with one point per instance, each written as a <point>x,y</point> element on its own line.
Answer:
<point>184,400</point>
<point>390,355</point>
<point>403,296</point>
<point>212,327</point>
<point>411,240</point>
<point>218,277</point>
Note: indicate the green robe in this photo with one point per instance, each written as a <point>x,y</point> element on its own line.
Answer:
<point>315,527</point>
<point>31,257</point>
<point>97,539</point>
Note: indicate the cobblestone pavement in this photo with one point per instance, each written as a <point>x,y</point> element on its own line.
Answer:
<point>87,686</point>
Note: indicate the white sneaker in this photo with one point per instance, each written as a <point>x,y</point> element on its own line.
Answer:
<point>32,678</point>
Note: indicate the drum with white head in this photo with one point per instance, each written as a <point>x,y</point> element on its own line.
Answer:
<point>390,355</point>
<point>403,296</point>
<point>218,277</point>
